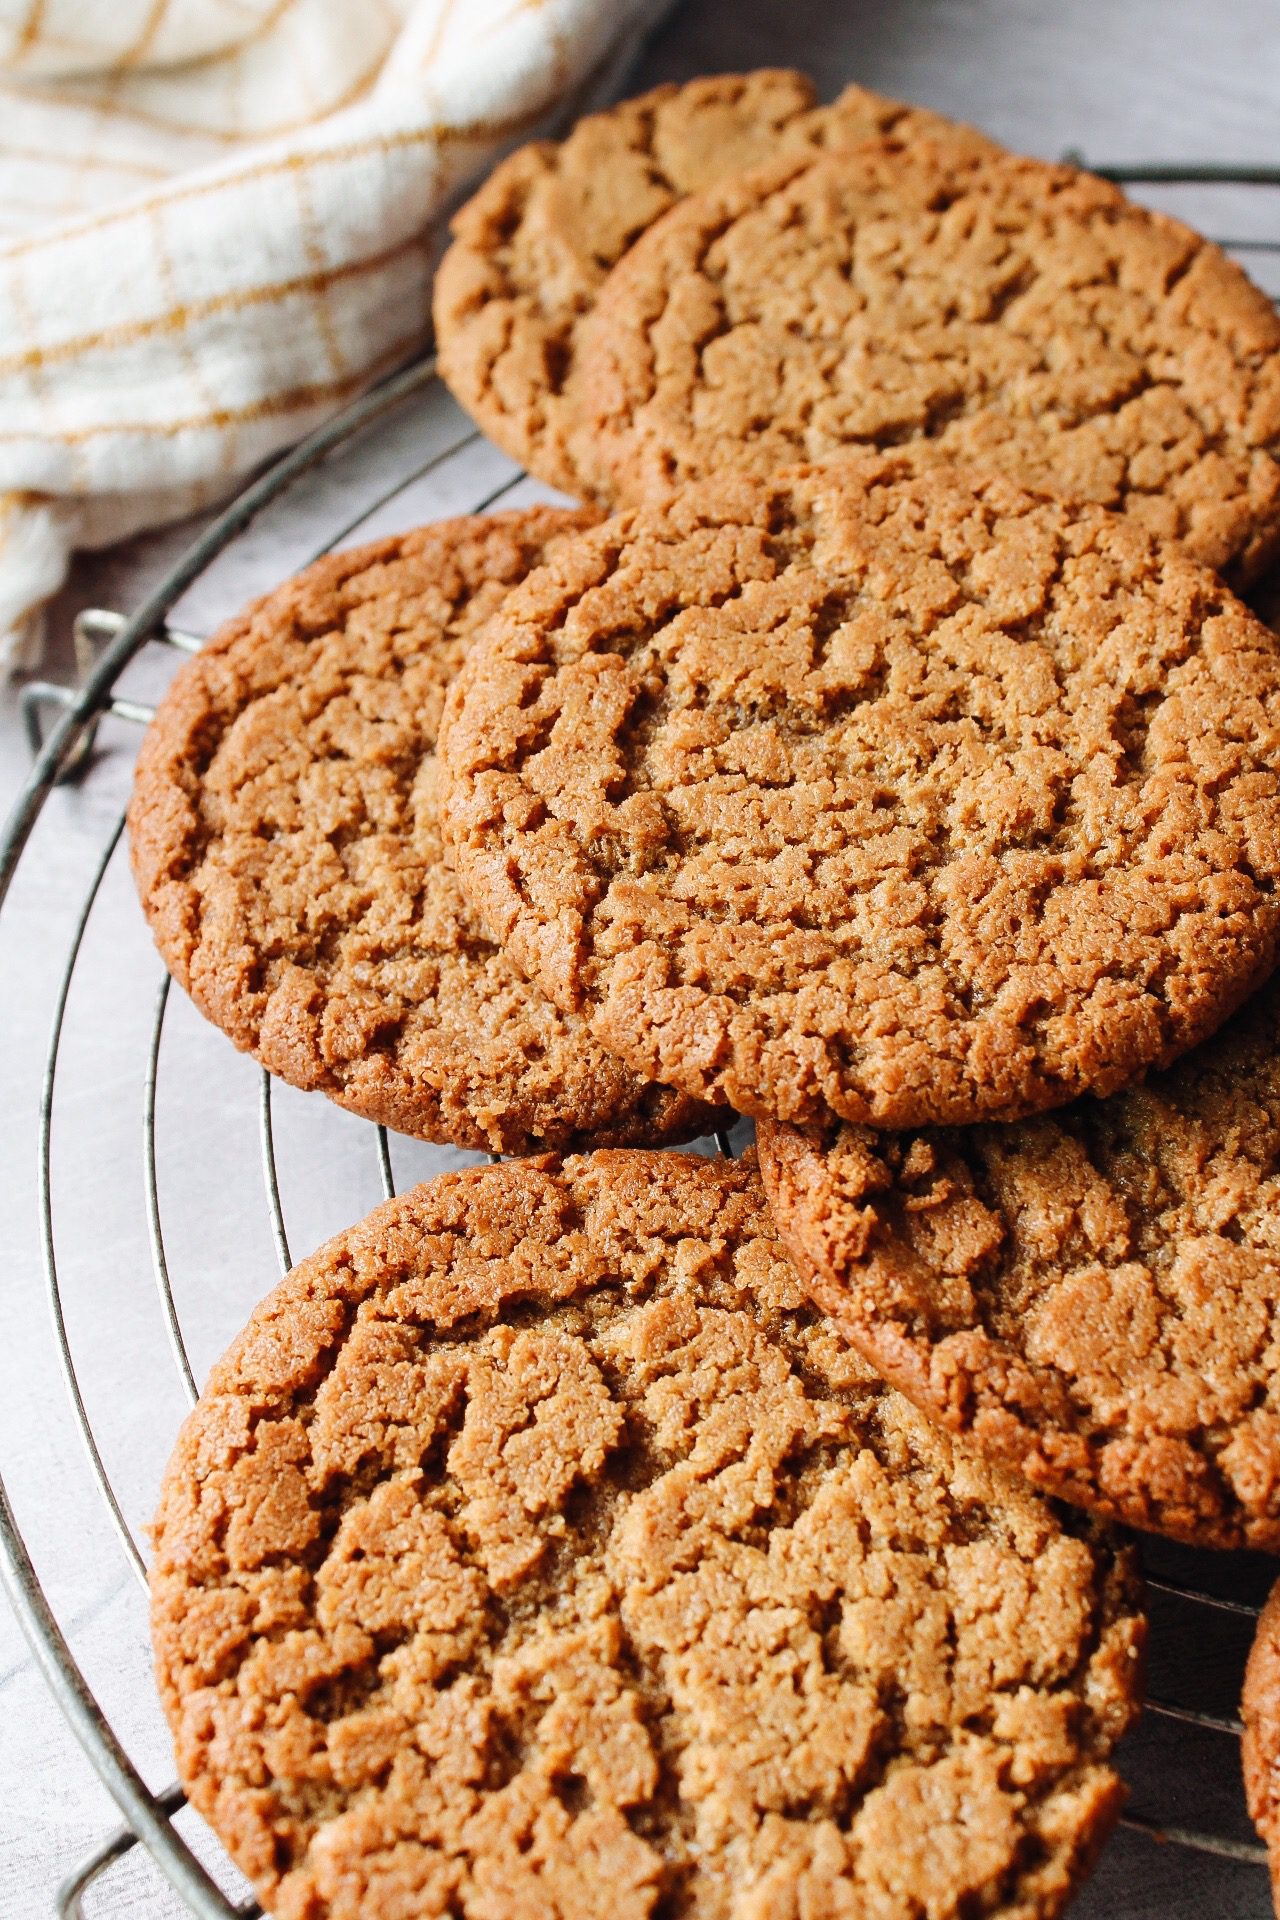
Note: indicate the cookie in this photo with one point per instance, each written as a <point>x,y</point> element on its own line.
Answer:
<point>533,247</point>
<point>287,852</point>
<point>538,1549</point>
<point>1091,1297</point>
<point>1021,317</point>
<point>906,797</point>
<point>1260,1748</point>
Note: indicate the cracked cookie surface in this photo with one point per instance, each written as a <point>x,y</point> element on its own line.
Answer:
<point>1000,312</point>
<point>286,847</point>
<point>1091,1297</point>
<point>1260,1746</point>
<point>906,797</point>
<point>539,1548</point>
<point>533,247</point>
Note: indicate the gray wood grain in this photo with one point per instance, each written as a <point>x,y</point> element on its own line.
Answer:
<point>1144,80</point>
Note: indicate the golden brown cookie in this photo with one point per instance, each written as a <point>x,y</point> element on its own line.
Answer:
<point>533,247</point>
<point>1091,1297</point>
<point>905,797</point>
<point>538,1550</point>
<point>1260,1748</point>
<point>1021,317</point>
<point>286,848</point>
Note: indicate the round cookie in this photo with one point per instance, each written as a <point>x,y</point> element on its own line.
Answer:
<point>1092,1297</point>
<point>1020,317</point>
<point>287,852</point>
<point>1260,1747</point>
<point>532,248</point>
<point>907,797</point>
<point>537,1548</point>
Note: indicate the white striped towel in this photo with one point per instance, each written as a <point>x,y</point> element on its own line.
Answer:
<point>218,220</point>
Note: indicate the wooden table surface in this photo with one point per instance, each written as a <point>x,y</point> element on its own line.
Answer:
<point>1116,80</point>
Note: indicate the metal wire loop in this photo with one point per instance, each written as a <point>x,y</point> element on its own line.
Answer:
<point>62,726</point>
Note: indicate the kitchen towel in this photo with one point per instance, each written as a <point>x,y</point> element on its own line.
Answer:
<point>218,221</point>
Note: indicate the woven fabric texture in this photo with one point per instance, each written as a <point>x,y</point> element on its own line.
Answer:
<point>218,221</point>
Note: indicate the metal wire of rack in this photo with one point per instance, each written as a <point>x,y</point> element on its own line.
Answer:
<point>107,644</point>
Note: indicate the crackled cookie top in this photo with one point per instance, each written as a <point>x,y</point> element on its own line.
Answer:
<point>286,846</point>
<point>533,247</point>
<point>1022,317</point>
<point>537,1548</point>
<point>1260,1748</point>
<point>1093,1296</point>
<point>904,797</point>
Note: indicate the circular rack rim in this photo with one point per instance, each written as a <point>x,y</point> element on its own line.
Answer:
<point>148,1814</point>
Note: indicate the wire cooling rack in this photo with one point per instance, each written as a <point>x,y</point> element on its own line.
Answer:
<point>399,456</point>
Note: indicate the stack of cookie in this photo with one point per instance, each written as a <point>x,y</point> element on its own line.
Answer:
<point>881,753</point>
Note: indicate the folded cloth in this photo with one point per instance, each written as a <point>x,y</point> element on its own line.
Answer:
<point>218,222</point>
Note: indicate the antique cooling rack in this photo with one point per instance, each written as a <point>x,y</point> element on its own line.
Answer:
<point>169,1177</point>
